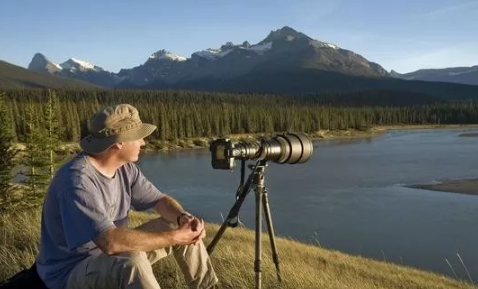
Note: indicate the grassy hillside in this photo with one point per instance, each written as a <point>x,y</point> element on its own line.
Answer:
<point>303,266</point>
<point>14,77</point>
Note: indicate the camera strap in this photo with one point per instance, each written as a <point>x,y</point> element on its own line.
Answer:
<point>233,223</point>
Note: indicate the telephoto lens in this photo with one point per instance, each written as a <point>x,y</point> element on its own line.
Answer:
<point>289,148</point>
<point>286,149</point>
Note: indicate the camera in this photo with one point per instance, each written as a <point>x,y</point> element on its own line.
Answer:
<point>290,148</point>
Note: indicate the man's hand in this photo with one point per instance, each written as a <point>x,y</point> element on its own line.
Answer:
<point>195,225</point>
<point>198,226</point>
<point>185,218</point>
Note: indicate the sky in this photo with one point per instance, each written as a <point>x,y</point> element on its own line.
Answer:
<point>401,35</point>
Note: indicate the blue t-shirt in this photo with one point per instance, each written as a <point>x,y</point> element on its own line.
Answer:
<point>79,205</point>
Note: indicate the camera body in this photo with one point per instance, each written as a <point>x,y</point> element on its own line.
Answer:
<point>221,151</point>
<point>286,148</point>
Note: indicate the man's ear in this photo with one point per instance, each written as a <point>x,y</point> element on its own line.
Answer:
<point>118,145</point>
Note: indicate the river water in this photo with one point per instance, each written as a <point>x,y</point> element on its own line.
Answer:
<point>350,196</point>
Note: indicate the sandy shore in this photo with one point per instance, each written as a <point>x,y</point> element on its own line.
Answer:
<point>466,186</point>
<point>469,187</point>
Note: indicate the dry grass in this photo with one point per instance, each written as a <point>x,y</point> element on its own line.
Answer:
<point>422,126</point>
<point>302,266</point>
<point>344,134</point>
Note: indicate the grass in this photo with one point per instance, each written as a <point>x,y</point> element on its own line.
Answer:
<point>302,266</point>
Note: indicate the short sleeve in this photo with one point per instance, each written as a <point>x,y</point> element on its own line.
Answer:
<point>83,216</point>
<point>144,195</point>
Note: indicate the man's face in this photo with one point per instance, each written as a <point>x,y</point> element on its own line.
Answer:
<point>129,151</point>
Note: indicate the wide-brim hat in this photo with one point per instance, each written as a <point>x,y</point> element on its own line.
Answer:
<point>120,123</point>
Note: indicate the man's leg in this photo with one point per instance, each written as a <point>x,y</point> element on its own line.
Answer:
<point>193,260</point>
<point>128,270</point>
<point>133,270</point>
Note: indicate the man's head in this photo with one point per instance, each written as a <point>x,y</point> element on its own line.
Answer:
<point>115,125</point>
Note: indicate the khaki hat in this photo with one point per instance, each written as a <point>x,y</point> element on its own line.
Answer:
<point>114,124</point>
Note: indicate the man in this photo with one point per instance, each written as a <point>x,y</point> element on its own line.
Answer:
<point>84,239</point>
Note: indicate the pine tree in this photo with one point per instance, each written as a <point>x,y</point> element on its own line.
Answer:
<point>7,161</point>
<point>36,158</point>
<point>51,117</point>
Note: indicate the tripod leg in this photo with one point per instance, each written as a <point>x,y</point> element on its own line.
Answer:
<point>270,229</point>
<point>216,238</point>
<point>257,263</point>
<point>232,213</point>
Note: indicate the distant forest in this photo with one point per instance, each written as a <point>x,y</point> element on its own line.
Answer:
<point>187,114</point>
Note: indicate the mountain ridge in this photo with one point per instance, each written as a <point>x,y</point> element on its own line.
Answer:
<point>285,61</point>
<point>284,48</point>
<point>463,74</point>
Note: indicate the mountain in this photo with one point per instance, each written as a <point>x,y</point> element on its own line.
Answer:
<point>16,77</point>
<point>292,49</point>
<point>284,62</point>
<point>465,75</point>
<point>40,63</point>
<point>160,65</point>
<point>74,65</point>
<point>282,49</point>
<point>75,69</point>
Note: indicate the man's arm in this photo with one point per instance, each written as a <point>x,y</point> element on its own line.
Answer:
<point>120,240</point>
<point>169,208</point>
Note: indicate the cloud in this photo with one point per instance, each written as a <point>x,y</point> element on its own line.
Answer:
<point>447,10</point>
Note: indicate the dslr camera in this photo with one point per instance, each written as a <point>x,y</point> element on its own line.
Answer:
<point>288,148</point>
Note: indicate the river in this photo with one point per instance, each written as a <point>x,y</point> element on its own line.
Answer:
<point>350,196</point>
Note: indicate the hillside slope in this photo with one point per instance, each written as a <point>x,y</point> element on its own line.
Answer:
<point>302,266</point>
<point>16,77</point>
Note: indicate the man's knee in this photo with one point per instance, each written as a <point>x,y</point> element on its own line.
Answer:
<point>133,268</point>
<point>136,259</point>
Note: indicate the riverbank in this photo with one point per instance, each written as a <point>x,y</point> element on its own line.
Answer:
<point>320,135</point>
<point>464,186</point>
<point>155,145</point>
<point>467,186</point>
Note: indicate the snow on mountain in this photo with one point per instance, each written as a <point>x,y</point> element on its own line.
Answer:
<point>73,64</point>
<point>83,63</point>
<point>213,53</point>
<point>260,48</point>
<point>332,45</point>
<point>164,54</point>
<point>320,44</point>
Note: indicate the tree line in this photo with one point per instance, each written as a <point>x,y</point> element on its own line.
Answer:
<point>187,114</point>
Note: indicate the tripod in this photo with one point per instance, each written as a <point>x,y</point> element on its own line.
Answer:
<point>256,179</point>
